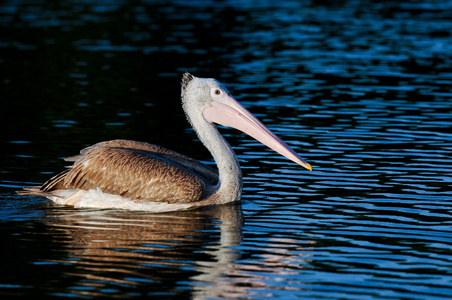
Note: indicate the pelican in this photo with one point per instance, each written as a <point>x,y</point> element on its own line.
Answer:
<point>141,176</point>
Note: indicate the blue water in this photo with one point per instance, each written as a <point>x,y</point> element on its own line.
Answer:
<point>361,89</point>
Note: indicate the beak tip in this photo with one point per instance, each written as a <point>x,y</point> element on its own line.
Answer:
<point>305,164</point>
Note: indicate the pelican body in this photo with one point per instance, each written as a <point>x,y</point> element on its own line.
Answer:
<point>141,176</point>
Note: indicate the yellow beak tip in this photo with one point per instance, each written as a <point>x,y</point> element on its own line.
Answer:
<point>305,164</point>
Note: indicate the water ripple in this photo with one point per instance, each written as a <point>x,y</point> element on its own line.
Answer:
<point>360,89</point>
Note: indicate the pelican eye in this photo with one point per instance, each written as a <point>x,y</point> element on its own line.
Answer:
<point>217,92</point>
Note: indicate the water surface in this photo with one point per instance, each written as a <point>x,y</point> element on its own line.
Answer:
<point>361,89</point>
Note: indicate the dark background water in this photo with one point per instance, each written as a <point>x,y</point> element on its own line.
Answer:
<point>361,89</point>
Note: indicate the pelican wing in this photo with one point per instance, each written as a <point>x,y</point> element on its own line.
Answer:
<point>207,173</point>
<point>138,171</point>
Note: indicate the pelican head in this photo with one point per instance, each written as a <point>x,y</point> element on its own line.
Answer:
<point>208,101</point>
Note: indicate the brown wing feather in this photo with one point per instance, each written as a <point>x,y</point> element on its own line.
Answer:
<point>187,162</point>
<point>139,171</point>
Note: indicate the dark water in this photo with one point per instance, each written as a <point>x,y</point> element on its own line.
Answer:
<point>361,89</point>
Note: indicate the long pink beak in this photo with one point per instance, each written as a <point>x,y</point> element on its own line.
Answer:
<point>229,112</point>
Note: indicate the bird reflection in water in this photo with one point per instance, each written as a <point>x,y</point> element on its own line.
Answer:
<point>159,252</point>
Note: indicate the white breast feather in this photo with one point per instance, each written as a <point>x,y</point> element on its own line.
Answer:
<point>95,198</point>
